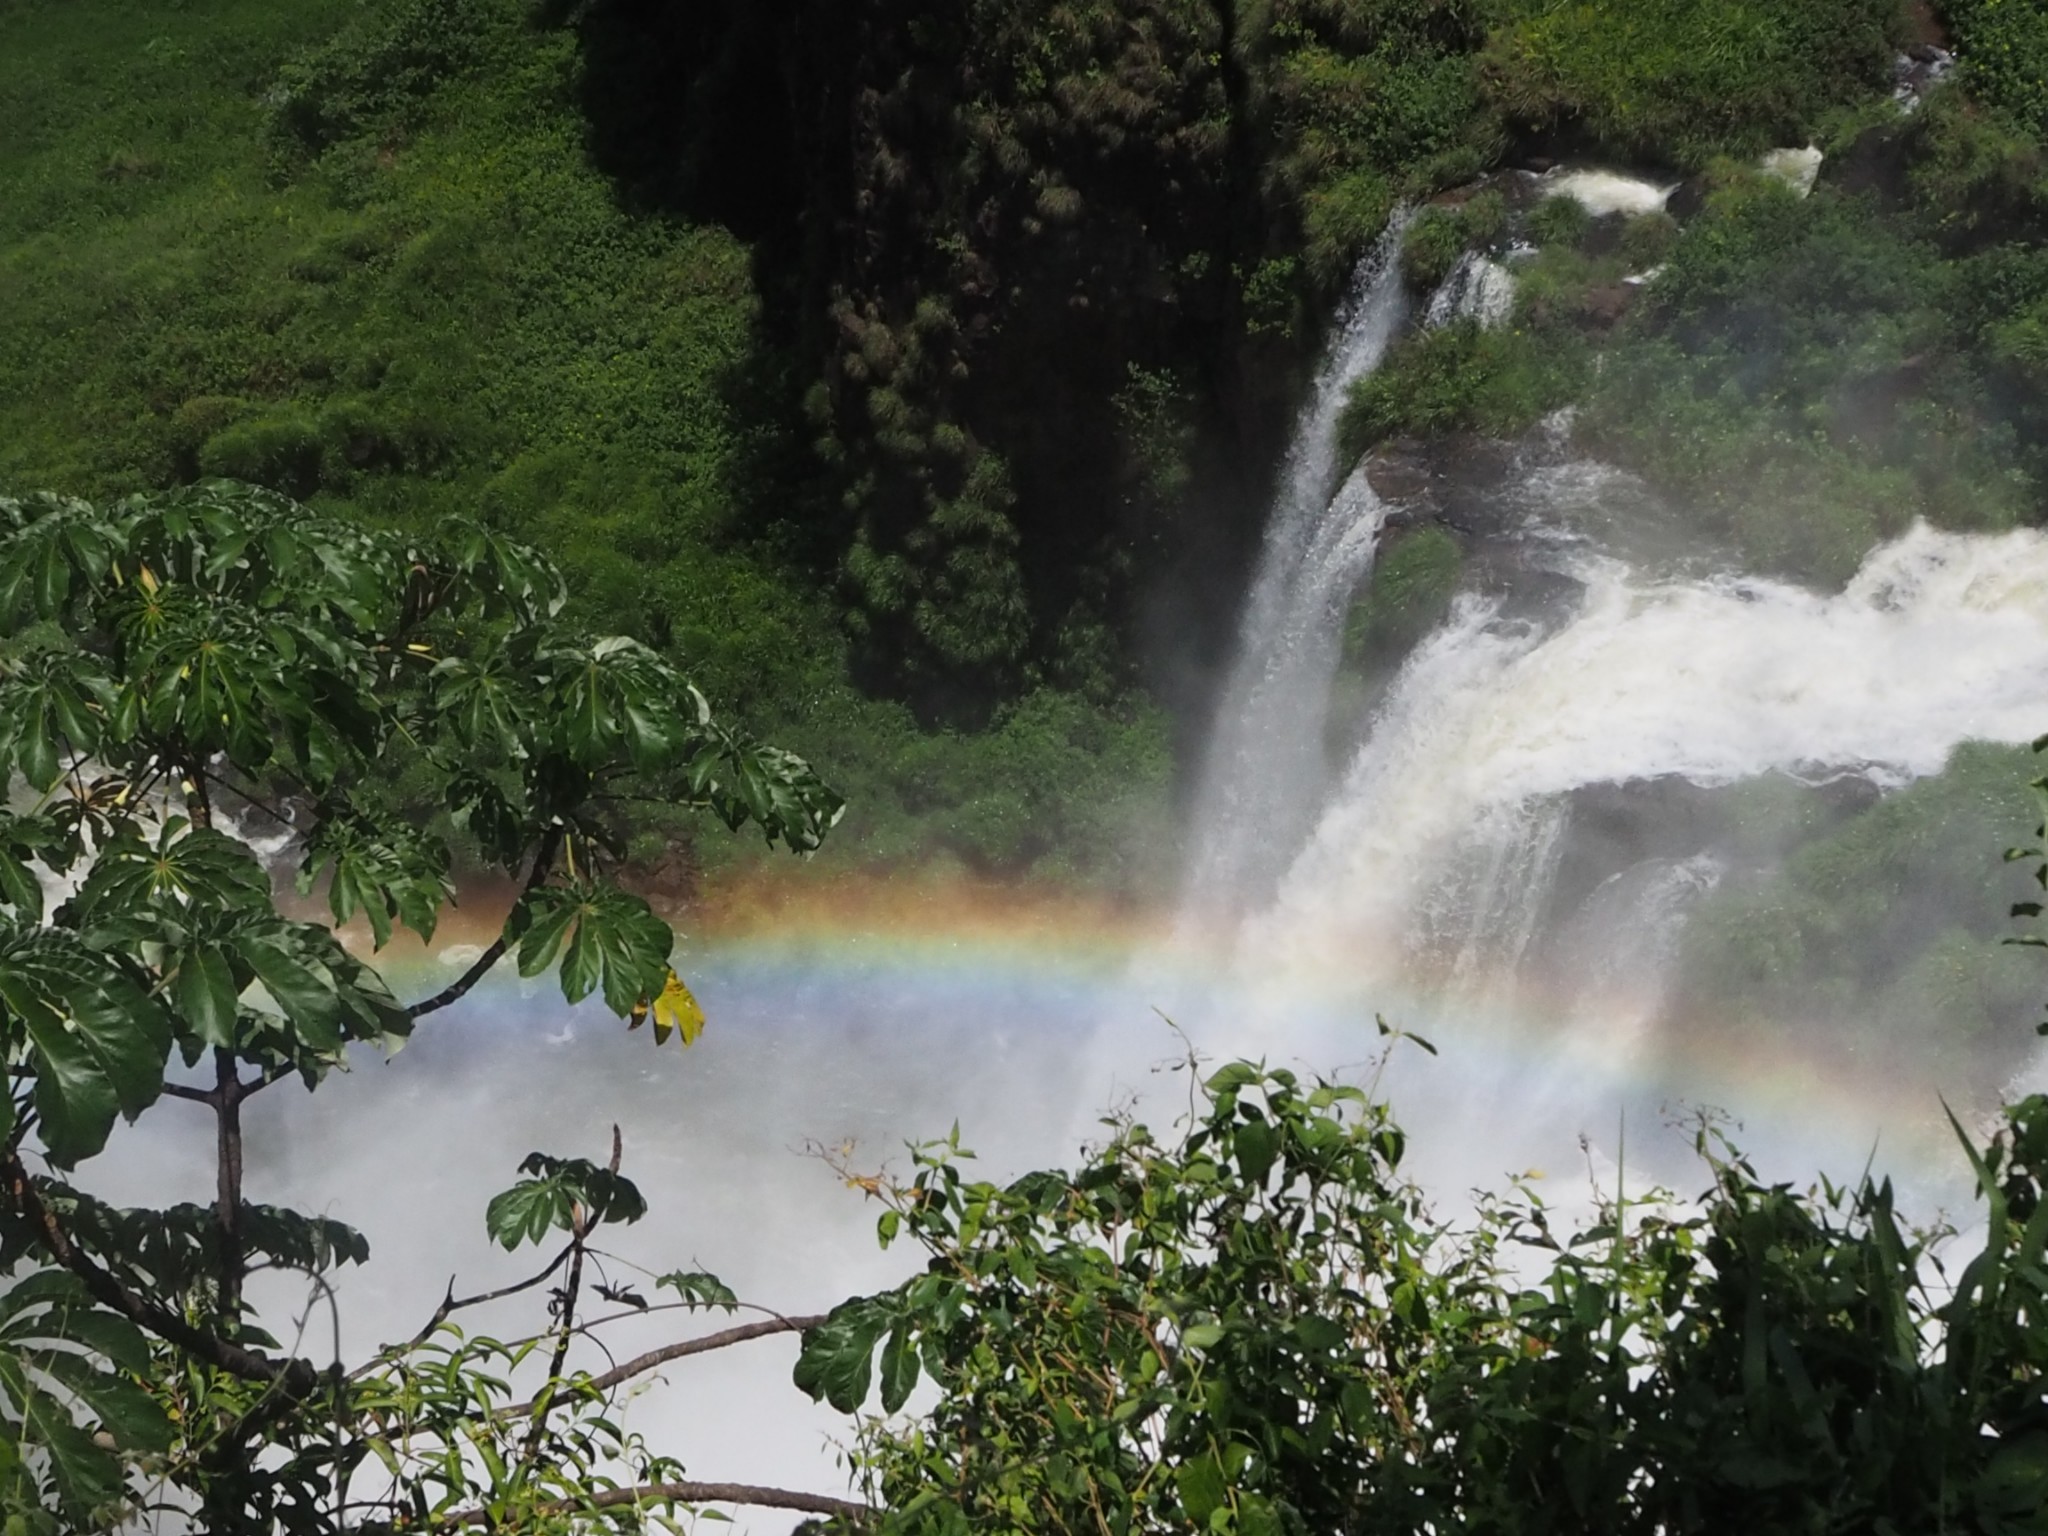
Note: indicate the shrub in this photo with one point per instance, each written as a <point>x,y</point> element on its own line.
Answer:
<point>1485,216</point>
<point>1560,220</point>
<point>282,451</point>
<point>1431,247</point>
<point>1883,923</point>
<point>1681,81</point>
<point>1407,596</point>
<point>374,71</point>
<point>2002,46</point>
<point>1341,219</point>
<point>1464,377</point>
<point>1647,238</point>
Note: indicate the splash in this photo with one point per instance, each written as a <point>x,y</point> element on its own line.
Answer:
<point>1478,288</point>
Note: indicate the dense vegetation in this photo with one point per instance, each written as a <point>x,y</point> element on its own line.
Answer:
<point>1257,1326</point>
<point>176,657</point>
<point>912,374</point>
<point>378,272</point>
<point>904,375</point>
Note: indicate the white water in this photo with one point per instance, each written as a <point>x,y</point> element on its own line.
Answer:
<point>1940,639</point>
<point>1426,855</point>
<point>1265,760</point>
<point>1604,192</point>
<point>1478,288</point>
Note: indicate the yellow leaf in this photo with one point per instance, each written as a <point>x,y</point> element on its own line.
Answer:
<point>677,1010</point>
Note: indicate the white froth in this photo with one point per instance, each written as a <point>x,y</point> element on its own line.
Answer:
<point>1604,192</point>
<point>1941,638</point>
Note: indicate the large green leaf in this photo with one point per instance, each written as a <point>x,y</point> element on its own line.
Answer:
<point>96,1042</point>
<point>836,1363</point>
<point>207,994</point>
<point>383,869</point>
<point>181,866</point>
<point>554,1191</point>
<point>65,1391</point>
<point>603,937</point>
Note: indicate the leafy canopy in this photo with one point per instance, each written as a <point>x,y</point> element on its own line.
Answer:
<point>174,667</point>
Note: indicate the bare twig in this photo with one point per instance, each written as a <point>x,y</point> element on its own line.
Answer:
<point>456,990</point>
<point>684,1493</point>
<point>640,1365</point>
<point>451,1303</point>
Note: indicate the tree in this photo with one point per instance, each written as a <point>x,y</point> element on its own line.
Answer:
<point>215,651</point>
<point>1256,1327</point>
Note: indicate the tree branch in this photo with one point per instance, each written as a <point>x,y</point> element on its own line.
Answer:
<point>276,1072</point>
<point>296,1378</point>
<point>450,1303</point>
<point>640,1365</point>
<point>579,1234</point>
<point>456,990</point>
<point>195,1095</point>
<point>685,1493</point>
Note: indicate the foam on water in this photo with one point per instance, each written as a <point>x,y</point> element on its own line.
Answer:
<point>1605,192</point>
<point>1941,638</point>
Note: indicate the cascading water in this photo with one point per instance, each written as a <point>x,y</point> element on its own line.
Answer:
<point>1265,772</point>
<point>1478,288</point>
<point>1420,880</point>
<point>1940,639</point>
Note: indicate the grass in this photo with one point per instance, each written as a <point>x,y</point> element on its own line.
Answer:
<point>1465,377</point>
<point>358,253</point>
<point>1408,595</point>
<point>1681,82</point>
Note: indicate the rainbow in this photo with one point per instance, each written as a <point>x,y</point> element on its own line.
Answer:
<point>1063,995</point>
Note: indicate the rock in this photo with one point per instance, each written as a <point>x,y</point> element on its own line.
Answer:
<point>1687,198</point>
<point>1604,305</point>
<point>1401,473</point>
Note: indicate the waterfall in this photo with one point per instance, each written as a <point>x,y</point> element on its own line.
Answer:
<point>1265,772</point>
<point>1434,844</point>
<point>1478,288</point>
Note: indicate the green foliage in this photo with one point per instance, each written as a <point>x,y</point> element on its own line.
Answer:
<point>1682,81</point>
<point>1647,238</point>
<point>375,72</point>
<point>218,647</point>
<point>68,1390</point>
<point>1884,926</point>
<point>1056,783</point>
<point>1807,375</point>
<point>433,306</point>
<point>1254,1325</point>
<point>2003,50</point>
<point>1464,377</point>
<point>1408,595</point>
<point>560,1194</point>
<point>1432,246</point>
<point>1560,220</point>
